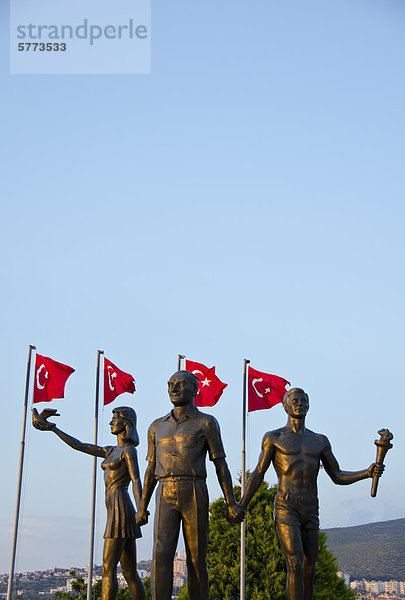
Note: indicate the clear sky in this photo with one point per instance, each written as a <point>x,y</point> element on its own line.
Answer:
<point>245,200</point>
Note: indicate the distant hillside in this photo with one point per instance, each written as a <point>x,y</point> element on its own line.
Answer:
<point>145,565</point>
<point>372,551</point>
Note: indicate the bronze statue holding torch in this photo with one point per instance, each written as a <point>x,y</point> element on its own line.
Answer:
<point>297,454</point>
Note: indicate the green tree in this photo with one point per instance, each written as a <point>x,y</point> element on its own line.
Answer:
<point>183,594</point>
<point>265,563</point>
<point>79,590</point>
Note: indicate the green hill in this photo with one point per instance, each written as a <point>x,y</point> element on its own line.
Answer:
<point>372,551</point>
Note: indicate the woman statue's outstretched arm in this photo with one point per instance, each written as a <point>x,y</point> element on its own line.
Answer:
<point>40,422</point>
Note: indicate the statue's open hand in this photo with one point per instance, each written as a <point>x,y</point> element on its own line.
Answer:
<point>235,514</point>
<point>376,470</point>
<point>40,421</point>
<point>142,517</point>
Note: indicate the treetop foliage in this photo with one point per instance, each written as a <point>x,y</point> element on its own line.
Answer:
<point>79,590</point>
<point>265,563</point>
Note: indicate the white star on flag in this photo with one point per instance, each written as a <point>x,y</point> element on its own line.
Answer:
<point>210,388</point>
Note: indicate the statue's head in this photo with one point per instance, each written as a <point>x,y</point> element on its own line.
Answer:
<point>183,388</point>
<point>124,420</point>
<point>296,403</point>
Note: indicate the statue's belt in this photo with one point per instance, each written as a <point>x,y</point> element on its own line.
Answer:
<point>295,496</point>
<point>180,478</point>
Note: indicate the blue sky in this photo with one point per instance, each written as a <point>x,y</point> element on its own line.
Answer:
<point>246,199</point>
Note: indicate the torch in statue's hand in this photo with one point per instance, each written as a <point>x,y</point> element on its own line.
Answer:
<point>383,445</point>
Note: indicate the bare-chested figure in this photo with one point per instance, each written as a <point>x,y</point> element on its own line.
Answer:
<point>296,453</point>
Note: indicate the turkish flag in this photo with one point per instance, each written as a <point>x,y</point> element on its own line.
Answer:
<point>210,388</point>
<point>50,379</point>
<point>264,390</point>
<point>116,382</point>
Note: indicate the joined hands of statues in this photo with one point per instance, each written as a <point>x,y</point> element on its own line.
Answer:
<point>40,421</point>
<point>235,514</point>
<point>142,517</point>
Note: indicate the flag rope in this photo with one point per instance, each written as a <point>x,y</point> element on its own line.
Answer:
<point>243,482</point>
<point>20,477</point>
<point>94,486</point>
<point>26,470</point>
<point>100,506</point>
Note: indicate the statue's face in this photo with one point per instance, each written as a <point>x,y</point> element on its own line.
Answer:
<point>181,389</point>
<point>297,405</point>
<point>117,424</point>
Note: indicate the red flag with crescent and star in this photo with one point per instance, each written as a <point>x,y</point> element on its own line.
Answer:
<point>210,388</point>
<point>50,379</point>
<point>264,390</point>
<point>116,382</point>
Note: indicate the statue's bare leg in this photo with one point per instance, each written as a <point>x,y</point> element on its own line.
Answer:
<point>112,552</point>
<point>310,542</point>
<point>290,537</point>
<point>129,570</point>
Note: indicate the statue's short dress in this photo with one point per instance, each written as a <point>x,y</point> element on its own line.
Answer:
<point>121,521</point>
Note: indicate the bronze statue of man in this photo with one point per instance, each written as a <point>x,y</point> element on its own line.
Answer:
<point>296,453</point>
<point>177,447</point>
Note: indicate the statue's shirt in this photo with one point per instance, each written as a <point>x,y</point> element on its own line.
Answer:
<point>178,448</point>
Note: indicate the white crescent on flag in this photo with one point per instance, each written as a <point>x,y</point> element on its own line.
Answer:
<point>39,386</point>
<point>195,373</point>
<point>253,385</point>
<point>111,377</point>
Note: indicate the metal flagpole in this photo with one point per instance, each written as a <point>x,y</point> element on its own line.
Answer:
<point>93,499</point>
<point>243,485</point>
<point>20,475</point>
<point>179,357</point>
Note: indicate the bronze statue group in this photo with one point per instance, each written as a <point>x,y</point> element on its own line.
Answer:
<point>178,444</point>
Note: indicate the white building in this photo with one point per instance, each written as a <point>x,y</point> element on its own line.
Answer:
<point>392,587</point>
<point>345,577</point>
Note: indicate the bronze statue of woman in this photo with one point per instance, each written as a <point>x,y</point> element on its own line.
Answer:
<point>120,466</point>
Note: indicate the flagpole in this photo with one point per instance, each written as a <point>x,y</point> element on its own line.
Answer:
<point>179,357</point>
<point>20,475</point>
<point>243,484</point>
<point>93,499</point>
